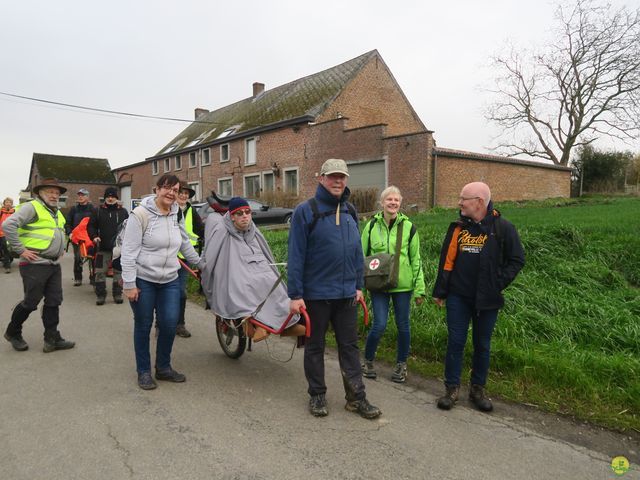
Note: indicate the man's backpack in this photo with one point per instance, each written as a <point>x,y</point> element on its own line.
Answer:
<point>317,215</point>
<point>143,215</point>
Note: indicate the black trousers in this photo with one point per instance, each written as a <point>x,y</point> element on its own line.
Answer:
<point>4,251</point>
<point>77,263</point>
<point>38,281</point>
<point>342,314</point>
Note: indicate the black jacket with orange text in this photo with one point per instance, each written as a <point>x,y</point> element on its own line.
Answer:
<point>500,259</point>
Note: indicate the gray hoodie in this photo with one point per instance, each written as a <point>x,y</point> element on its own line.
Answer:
<point>154,256</point>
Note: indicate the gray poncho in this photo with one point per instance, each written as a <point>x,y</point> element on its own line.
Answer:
<point>237,276</point>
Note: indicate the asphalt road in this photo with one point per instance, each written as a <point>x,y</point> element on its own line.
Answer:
<point>78,414</point>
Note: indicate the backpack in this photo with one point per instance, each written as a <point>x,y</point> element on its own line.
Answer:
<point>317,215</point>
<point>143,216</point>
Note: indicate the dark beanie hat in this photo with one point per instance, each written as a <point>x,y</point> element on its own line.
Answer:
<point>111,192</point>
<point>236,203</point>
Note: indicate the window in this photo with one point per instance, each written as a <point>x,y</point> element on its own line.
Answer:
<point>178,162</point>
<point>195,186</point>
<point>252,186</point>
<point>267,182</point>
<point>224,153</point>
<point>291,181</point>
<point>167,165</point>
<point>250,151</point>
<point>206,156</point>
<point>154,167</point>
<point>227,132</point>
<point>193,162</point>
<point>225,187</point>
<point>171,148</point>
<point>62,201</point>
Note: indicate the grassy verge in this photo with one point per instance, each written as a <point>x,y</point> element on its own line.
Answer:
<point>568,339</point>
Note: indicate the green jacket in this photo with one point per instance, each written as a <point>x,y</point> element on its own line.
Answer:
<point>377,238</point>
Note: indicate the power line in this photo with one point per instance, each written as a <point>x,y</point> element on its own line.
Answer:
<point>113,112</point>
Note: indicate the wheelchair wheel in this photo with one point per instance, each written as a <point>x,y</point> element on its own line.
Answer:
<point>231,337</point>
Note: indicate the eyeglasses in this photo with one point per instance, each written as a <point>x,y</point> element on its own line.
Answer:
<point>168,188</point>
<point>183,192</point>
<point>464,199</point>
<point>239,213</point>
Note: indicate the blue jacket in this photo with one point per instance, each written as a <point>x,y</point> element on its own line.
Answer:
<point>326,263</point>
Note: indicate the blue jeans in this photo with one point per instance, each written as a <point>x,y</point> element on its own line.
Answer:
<point>461,311</point>
<point>183,275</point>
<point>401,307</point>
<point>164,299</point>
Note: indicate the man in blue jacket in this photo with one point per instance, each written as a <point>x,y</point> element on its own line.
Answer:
<point>325,276</point>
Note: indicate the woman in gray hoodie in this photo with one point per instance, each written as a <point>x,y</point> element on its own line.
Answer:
<point>152,239</point>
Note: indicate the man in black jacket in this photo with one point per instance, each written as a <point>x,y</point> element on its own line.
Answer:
<point>480,257</point>
<point>82,209</point>
<point>103,228</point>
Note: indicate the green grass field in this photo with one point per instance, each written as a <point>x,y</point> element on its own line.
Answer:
<point>568,339</point>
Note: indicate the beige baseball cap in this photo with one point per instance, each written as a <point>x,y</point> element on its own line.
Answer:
<point>334,165</point>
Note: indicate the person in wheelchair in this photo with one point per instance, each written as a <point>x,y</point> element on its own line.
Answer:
<point>240,279</point>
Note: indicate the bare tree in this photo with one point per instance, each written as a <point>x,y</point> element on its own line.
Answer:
<point>584,85</point>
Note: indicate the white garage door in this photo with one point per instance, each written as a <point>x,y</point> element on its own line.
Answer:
<point>367,175</point>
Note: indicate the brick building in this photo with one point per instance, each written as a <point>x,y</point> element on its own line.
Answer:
<point>276,140</point>
<point>73,173</point>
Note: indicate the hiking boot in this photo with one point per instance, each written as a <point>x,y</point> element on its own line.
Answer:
<point>363,408</point>
<point>182,331</point>
<point>479,398</point>
<point>77,283</point>
<point>101,300</point>
<point>318,405</point>
<point>449,399</point>
<point>118,299</point>
<point>399,374</point>
<point>145,381</point>
<point>7,269</point>
<point>56,342</point>
<point>17,342</point>
<point>368,370</point>
<point>170,376</point>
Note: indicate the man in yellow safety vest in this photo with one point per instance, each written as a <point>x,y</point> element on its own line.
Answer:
<point>36,233</point>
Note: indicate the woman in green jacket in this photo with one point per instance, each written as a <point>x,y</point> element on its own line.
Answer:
<point>380,235</point>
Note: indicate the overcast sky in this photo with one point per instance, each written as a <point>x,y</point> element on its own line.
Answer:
<point>165,58</point>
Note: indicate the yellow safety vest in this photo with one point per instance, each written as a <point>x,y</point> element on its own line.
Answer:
<point>38,235</point>
<point>188,226</point>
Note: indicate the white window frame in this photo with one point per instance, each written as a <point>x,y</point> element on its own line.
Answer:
<point>202,156</point>
<point>177,162</point>
<point>264,184</point>
<point>195,186</point>
<point>193,155</point>
<point>167,165</point>
<point>228,145</point>
<point>284,179</point>
<point>244,184</point>
<point>225,179</point>
<point>62,201</point>
<point>247,152</point>
<point>154,167</point>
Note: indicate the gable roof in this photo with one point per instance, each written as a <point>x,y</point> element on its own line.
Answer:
<point>72,169</point>
<point>302,99</point>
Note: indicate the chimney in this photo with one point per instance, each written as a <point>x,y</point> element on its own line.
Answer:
<point>258,88</point>
<point>200,111</point>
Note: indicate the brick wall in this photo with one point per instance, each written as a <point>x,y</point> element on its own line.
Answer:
<point>508,180</point>
<point>374,97</point>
